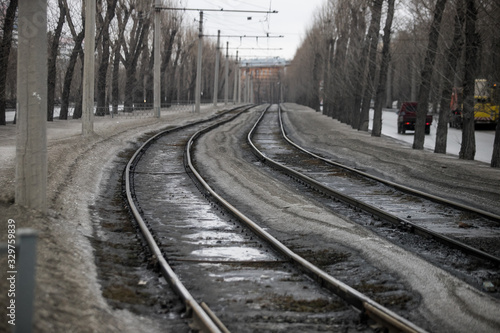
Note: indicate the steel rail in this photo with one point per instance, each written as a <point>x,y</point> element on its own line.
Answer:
<point>359,301</point>
<point>202,320</point>
<point>397,221</point>
<point>397,186</point>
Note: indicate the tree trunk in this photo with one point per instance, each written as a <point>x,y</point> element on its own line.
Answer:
<point>495,158</point>
<point>426,75</point>
<point>131,59</point>
<point>358,60</point>
<point>78,110</point>
<point>77,51</point>
<point>314,102</point>
<point>452,55</point>
<point>339,82</point>
<point>68,77</point>
<point>327,103</point>
<point>6,44</point>
<point>102,71</point>
<point>468,148</point>
<point>54,48</point>
<point>384,67</point>
<point>165,61</point>
<point>373,33</point>
<point>115,92</point>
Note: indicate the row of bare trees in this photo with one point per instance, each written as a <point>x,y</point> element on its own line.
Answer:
<point>426,47</point>
<point>124,56</point>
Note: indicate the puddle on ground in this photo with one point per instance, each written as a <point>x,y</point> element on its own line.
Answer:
<point>233,253</point>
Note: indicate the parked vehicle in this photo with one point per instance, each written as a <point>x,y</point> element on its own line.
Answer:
<point>407,117</point>
<point>456,107</point>
<point>486,104</point>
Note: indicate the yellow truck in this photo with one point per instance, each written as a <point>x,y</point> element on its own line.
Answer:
<point>486,104</point>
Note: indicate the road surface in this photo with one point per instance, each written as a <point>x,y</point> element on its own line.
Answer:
<point>484,139</point>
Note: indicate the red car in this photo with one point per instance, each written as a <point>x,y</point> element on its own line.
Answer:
<point>407,117</point>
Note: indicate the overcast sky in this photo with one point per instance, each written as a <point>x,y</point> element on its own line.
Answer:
<point>294,17</point>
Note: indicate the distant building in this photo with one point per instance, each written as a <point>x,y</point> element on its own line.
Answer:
<point>264,77</point>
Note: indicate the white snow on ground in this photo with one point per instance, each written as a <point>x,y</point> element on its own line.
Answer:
<point>484,139</point>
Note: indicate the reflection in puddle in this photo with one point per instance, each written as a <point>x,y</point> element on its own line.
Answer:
<point>233,253</point>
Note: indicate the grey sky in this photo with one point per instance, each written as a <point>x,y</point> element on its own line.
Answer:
<point>291,21</point>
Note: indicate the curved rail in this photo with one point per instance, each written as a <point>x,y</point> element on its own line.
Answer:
<point>203,320</point>
<point>397,186</point>
<point>397,221</point>
<point>365,305</point>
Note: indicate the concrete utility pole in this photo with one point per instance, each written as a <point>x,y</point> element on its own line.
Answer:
<point>31,144</point>
<point>88,66</point>
<point>226,83</point>
<point>235,87</point>
<point>240,77</point>
<point>156,74</point>
<point>216,80</point>
<point>247,87</point>
<point>198,67</point>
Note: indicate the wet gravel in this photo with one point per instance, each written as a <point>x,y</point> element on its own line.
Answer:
<point>127,273</point>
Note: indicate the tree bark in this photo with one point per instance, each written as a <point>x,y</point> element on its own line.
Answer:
<point>68,77</point>
<point>495,158</point>
<point>102,71</point>
<point>452,56</point>
<point>426,75</point>
<point>115,91</point>
<point>357,58</point>
<point>373,33</point>
<point>77,51</point>
<point>165,61</point>
<point>472,40</point>
<point>132,52</point>
<point>6,44</point>
<point>54,48</point>
<point>384,67</point>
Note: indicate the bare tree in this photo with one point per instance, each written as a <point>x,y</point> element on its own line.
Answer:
<point>133,46</point>
<point>472,44</point>
<point>104,46</point>
<point>8,26</point>
<point>426,75</point>
<point>384,67</point>
<point>452,56</point>
<point>52,58</point>
<point>75,53</point>
<point>373,32</point>
<point>357,59</point>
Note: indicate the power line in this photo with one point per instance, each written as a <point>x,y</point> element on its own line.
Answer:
<point>219,10</point>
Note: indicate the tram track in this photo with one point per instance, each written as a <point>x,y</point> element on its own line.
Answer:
<point>352,191</point>
<point>211,243</point>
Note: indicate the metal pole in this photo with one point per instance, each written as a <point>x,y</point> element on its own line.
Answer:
<point>26,268</point>
<point>198,67</point>
<point>157,60</point>
<point>88,73</point>
<point>226,81</point>
<point>31,144</point>
<point>216,80</point>
<point>235,87</point>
